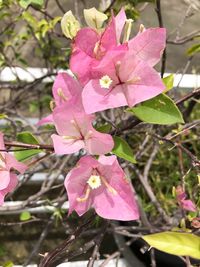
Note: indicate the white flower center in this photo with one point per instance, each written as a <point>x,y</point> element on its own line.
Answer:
<point>94,181</point>
<point>105,82</point>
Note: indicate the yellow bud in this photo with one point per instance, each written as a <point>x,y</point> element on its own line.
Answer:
<point>94,18</point>
<point>70,25</point>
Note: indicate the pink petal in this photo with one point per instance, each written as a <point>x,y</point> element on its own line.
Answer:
<point>107,204</point>
<point>69,86</point>
<point>149,45</point>
<point>11,162</point>
<point>81,64</point>
<point>66,146</point>
<point>149,85</point>
<point>95,98</point>
<point>46,120</point>
<point>4,179</point>
<point>120,20</point>
<point>11,186</point>
<point>109,36</point>
<point>99,143</point>
<point>76,182</point>
<point>188,205</point>
<point>86,40</point>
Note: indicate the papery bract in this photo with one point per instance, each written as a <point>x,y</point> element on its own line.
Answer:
<point>185,204</point>
<point>149,45</point>
<point>65,89</point>
<point>131,81</point>
<point>76,132</point>
<point>103,186</point>
<point>8,180</point>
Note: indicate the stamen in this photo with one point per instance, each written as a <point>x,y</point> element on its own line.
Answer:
<point>88,135</point>
<point>133,80</point>
<point>61,94</point>
<point>141,28</point>
<point>110,188</point>
<point>87,193</point>
<point>105,82</point>
<point>94,181</point>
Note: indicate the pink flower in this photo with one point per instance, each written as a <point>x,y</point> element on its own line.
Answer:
<point>185,204</point>
<point>102,185</point>
<point>91,46</point>
<point>65,89</point>
<point>8,180</point>
<point>76,132</point>
<point>121,79</point>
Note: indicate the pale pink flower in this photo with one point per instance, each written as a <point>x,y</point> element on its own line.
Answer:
<point>91,46</point>
<point>184,203</point>
<point>8,179</point>
<point>121,79</point>
<point>101,184</point>
<point>76,132</point>
<point>65,89</point>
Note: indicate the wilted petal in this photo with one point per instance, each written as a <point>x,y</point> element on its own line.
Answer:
<point>149,45</point>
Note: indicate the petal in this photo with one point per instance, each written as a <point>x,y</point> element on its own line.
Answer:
<point>109,36</point>
<point>95,98</point>
<point>99,143</point>
<point>188,205</point>
<point>4,179</point>
<point>70,121</point>
<point>69,86</point>
<point>81,64</point>
<point>120,20</point>
<point>149,45</point>
<point>12,184</point>
<point>66,146</point>
<point>76,182</point>
<point>11,162</point>
<point>121,206</point>
<point>46,120</point>
<point>149,85</point>
<point>86,40</point>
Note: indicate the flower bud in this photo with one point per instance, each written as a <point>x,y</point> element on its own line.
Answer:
<point>127,30</point>
<point>94,18</point>
<point>70,25</point>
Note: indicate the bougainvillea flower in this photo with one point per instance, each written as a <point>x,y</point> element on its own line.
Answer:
<point>65,88</point>
<point>91,46</point>
<point>148,45</point>
<point>8,180</point>
<point>101,184</point>
<point>184,203</point>
<point>76,132</point>
<point>121,79</point>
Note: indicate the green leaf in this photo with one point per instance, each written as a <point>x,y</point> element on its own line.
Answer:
<point>3,116</point>
<point>27,138</point>
<point>193,50</point>
<point>123,150</point>
<point>105,128</point>
<point>158,110</point>
<point>25,3</point>
<point>168,82</point>
<point>180,244</point>
<point>25,216</point>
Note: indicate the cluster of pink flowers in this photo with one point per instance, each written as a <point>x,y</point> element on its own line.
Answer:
<point>109,74</point>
